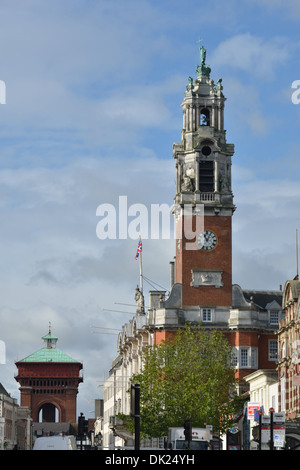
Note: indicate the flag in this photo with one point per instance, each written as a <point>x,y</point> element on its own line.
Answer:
<point>139,250</point>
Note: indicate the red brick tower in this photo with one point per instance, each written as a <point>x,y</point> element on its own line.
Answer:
<point>204,201</point>
<point>201,285</point>
<point>49,381</point>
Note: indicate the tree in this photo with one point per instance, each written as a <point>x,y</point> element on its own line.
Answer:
<point>187,376</point>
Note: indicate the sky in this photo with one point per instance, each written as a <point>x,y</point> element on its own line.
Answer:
<point>92,106</point>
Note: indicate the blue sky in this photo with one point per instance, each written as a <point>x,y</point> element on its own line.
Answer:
<point>93,95</point>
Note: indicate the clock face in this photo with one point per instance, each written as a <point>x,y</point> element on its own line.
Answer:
<point>207,240</point>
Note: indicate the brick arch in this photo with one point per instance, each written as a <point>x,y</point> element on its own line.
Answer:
<point>55,383</point>
<point>55,404</point>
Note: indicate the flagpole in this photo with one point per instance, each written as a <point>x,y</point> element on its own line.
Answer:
<point>297,253</point>
<point>139,254</point>
<point>141,271</point>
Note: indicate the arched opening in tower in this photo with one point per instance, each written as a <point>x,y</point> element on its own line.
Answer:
<point>48,413</point>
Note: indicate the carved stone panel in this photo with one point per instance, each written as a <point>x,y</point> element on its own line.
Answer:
<point>206,278</point>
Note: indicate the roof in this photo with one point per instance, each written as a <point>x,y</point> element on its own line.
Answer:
<point>263,298</point>
<point>50,336</point>
<point>291,291</point>
<point>48,355</point>
<point>3,390</point>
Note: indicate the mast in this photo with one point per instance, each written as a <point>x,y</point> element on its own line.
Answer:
<point>139,255</point>
<point>297,254</point>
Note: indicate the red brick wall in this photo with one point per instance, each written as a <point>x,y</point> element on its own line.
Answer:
<point>160,336</point>
<point>263,362</point>
<point>220,259</point>
<point>240,338</point>
<point>47,370</point>
<point>36,395</point>
<point>254,339</point>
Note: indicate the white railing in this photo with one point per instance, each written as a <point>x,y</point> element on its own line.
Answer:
<point>207,197</point>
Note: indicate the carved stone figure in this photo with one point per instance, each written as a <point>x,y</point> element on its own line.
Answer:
<point>140,304</point>
<point>187,184</point>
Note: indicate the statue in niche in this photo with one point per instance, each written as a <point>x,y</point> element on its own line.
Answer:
<point>140,304</point>
<point>188,179</point>
<point>190,171</point>
<point>223,183</point>
<point>187,184</point>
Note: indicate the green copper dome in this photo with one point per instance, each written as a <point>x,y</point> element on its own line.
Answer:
<point>49,353</point>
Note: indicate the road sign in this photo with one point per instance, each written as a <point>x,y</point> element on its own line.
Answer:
<point>251,407</point>
<point>279,418</point>
<point>265,419</point>
<point>279,436</point>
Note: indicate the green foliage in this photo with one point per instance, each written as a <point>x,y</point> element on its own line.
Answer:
<point>188,376</point>
<point>127,420</point>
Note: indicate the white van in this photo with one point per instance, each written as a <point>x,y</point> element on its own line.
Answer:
<point>55,443</point>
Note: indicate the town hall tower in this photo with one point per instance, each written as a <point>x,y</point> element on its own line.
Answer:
<point>204,201</point>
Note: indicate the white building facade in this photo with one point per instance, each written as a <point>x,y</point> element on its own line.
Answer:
<point>263,392</point>
<point>15,424</point>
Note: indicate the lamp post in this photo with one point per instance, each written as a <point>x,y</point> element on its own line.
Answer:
<point>271,429</point>
<point>135,412</point>
<point>259,430</point>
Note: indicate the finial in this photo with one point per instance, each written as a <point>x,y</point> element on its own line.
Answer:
<point>202,51</point>
<point>199,42</point>
<point>202,69</point>
<point>49,327</point>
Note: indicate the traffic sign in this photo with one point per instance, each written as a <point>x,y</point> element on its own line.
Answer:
<point>279,418</point>
<point>252,406</point>
<point>265,419</point>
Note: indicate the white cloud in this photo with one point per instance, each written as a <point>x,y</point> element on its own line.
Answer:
<point>256,56</point>
<point>264,227</point>
<point>289,8</point>
<point>58,270</point>
<point>249,112</point>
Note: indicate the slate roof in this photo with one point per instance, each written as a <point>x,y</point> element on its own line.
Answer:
<point>263,298</point>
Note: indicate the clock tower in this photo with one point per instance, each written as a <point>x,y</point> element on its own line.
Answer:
<point>201,291</point>
<point>203,206</point>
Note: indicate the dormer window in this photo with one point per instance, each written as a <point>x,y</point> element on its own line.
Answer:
<point>274,318</point>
